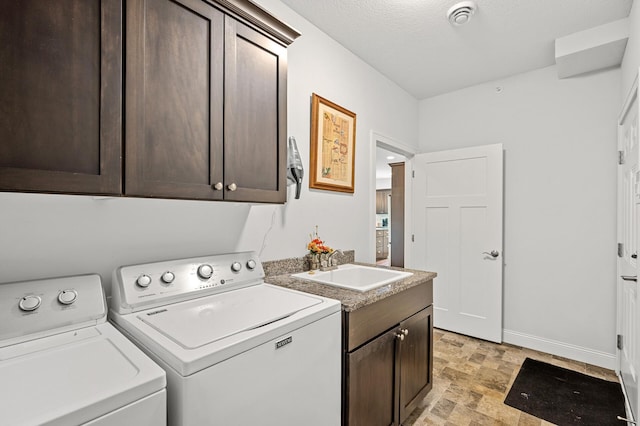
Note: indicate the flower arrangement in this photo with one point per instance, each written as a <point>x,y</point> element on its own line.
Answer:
<point>317,246</point>
<point>318,252</point>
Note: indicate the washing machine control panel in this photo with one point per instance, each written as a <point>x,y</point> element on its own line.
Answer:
<point>42,307</point>
<point>137,287</point>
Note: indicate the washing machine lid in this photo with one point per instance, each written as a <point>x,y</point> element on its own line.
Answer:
<point>74,377</point>
<point>199,322</point>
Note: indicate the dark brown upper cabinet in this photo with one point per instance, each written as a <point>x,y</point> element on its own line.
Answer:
<point>204,99</point>
<point>174,99</point>
<point>61,92</point>
<point>205,104</point>
<point>255,143</point>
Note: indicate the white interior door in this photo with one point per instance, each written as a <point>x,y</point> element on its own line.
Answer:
<point>457,222</point>
<point>628,218</point>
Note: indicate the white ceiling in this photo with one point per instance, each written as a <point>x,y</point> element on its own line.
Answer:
<point>413,43</point>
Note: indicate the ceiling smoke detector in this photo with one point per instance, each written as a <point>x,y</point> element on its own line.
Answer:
<point>460,13</point>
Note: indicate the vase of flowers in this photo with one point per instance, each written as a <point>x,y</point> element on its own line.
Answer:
<point>319,252</point>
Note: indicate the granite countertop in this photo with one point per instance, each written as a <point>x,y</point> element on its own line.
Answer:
<point>350,299</point>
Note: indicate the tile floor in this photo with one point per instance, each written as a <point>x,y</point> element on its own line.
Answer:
<point>472,377</point>
<point>384,262</point>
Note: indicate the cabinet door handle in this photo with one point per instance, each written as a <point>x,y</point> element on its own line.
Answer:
<point>232,187</point>
<point>400,336</point>
<point>629,277</point>
<point>218,186</point>
<point>405,331</point>
<point>622,419</point>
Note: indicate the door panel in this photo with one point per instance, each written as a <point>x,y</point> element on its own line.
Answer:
<point>372,367</point>
<point>255,115</point>
<point>473,237</point>
<point>416,359</point>
<point>628,217</point>
<point>174,98</point>
<point>61,91</point>
<point>457,217</point>
<point>397,215</point>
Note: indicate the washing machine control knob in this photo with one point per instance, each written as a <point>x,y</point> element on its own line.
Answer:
<point>143,281</point>
<point>251,264</point>
<point>168,277</point>
<point>205,271</point>
<point>67,297</point>
<point>29,303</point>
<point>236,266</point>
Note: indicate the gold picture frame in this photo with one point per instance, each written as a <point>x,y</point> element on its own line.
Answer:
<point>333,144</point>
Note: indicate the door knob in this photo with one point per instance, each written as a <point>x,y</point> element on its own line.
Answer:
<point>232,187</point>
<point>494,253</point>
<point>217,186</point>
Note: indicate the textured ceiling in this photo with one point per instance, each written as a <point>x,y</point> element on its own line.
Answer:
<point>413,44</point>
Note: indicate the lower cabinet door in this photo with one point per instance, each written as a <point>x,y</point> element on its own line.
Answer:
<point>416,360</point>
<point>371,383</point>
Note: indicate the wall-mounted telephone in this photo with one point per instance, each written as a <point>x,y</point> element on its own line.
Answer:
<point>295,172</point>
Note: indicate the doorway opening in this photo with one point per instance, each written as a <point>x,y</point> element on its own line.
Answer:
<point>390,207</point>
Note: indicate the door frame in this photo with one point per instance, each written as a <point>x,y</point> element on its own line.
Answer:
<point>628,103</point>
<point>377,139</point>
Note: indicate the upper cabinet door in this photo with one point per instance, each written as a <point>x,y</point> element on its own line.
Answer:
<point>61,92</point>
<point>255,116</point>
<point>174,99</point>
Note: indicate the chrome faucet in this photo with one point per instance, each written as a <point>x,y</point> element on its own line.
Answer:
<point>330,266</point>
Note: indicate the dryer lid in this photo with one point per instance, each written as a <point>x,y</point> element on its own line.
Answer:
<point>199,322</point>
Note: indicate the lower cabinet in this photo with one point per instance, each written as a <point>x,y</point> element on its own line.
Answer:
<point>372,381</point>
<point>386,377</point>
<point>382,244</point>
<point>415,360</point>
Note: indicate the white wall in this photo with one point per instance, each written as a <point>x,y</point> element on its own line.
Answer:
<point>559,138</point>
<point>631,59</point>
<point>52,235</point>
<point>383,183</point>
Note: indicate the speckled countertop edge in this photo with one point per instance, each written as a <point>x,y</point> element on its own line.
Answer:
<point>351,300</point>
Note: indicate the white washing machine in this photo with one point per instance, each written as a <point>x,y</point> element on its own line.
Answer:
<point>61,363</point>
<point>236,351</point>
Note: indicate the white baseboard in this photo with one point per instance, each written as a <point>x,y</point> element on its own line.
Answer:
<point>566,350</point>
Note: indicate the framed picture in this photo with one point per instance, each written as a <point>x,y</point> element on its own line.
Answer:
<point>333,144</point>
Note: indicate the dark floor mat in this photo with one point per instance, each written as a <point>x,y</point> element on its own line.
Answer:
<point>565,397</point>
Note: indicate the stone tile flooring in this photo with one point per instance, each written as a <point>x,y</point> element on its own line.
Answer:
<point>472,377</point>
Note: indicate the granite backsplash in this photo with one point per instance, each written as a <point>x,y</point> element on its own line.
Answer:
<point>295,265</point>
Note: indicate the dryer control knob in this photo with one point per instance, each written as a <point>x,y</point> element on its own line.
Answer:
<point>236,266</point>
<point>67,297</point>
<point>29,303</point>
<point>168,277</point>
<point>143,281</point>
<point>205,271</point>
<point>251,264</point>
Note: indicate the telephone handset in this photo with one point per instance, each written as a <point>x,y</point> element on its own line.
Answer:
<point>295,172</point>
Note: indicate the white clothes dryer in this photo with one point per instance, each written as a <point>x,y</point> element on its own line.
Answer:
<point>236,351</point>
<point>61,363</point>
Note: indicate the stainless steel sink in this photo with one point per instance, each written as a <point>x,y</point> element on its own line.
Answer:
<point>355,277</point>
